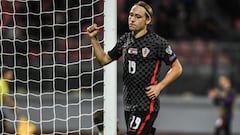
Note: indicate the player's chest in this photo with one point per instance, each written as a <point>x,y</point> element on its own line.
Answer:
<point>139,51</point>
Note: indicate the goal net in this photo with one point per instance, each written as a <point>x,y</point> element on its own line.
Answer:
<point>57,85</point>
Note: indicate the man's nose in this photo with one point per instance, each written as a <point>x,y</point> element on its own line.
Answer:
<point>132,19</point>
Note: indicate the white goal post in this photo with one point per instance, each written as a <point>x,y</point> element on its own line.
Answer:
<point>110,71</point>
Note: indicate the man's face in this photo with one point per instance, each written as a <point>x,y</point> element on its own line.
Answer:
<point>8,75</point>
<point>224,82</point>
<point>137,19</point>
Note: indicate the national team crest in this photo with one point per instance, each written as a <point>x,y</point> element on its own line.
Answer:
<point>145,51</point>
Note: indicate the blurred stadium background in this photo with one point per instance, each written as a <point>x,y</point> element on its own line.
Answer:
<point>205,34</point>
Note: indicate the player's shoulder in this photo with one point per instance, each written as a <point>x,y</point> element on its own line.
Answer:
<point>157,38</point>
<point>125,36</point>
<point>1,81</point>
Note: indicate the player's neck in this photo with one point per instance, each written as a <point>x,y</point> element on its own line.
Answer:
<point>138,34</point>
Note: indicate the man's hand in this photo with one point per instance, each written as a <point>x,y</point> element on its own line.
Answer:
<point>93,30</point>
<point>152,91</point>
<point>212,93</point>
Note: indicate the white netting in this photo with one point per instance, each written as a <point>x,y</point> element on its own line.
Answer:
<point>57,83</point>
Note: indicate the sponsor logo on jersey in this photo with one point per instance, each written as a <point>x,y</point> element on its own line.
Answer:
<point>145,51</point>
<point>131,107</point>
<point>132,51</point>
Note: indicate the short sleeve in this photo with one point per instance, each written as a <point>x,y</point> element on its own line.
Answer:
<point>4,87</point>
<point>116,52</point>
<point>166,53</point>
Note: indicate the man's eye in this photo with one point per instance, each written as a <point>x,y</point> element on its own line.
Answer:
<point>138,16</point>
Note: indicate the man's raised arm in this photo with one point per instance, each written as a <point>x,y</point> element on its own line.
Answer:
<point>102,57</point>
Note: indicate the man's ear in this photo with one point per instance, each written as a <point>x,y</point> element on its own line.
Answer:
<point>149,20</point>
